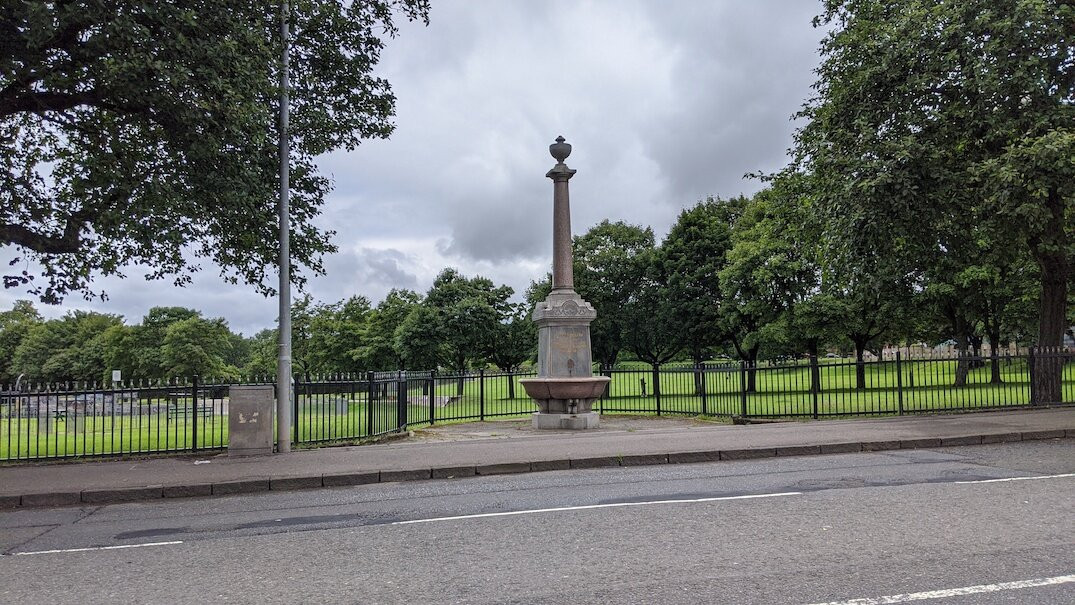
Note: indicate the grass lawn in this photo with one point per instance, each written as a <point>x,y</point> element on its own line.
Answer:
<point>780,391</point>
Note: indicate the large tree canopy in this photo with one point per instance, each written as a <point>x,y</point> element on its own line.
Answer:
<point>145,132</point>
<point>938,122</point>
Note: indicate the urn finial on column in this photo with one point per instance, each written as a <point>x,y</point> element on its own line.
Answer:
<point>560,150</point>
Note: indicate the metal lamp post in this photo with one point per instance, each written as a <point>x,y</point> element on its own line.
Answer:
<point>283,362</point>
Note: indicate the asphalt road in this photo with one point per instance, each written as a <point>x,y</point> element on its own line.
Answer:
<point>855,528</point>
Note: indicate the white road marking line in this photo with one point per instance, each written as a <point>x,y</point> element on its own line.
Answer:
<point>956,592</point>
<point>92,548</point>
<point>1006,479</point>
<point>593,506</point>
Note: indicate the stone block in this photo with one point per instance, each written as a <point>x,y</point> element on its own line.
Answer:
<point>286,483</point>
<point>571,422</point>
<point>503,468</point>
<point>250,420</point>
<point>841,448</point>
<point>968,440</point>
<point>644,459</point>
<point>1032,435</point>
<point>689,457</point>
<point>550,465</point>
<point>338,406</point>
<point>348,479</point>
<point>798,450</point>
<point>878,446</point>
<point>909,444</point>
<point>122,494</point>
<point>748,453</point>
<point>52,499</point>
<point>597,462</point>
<point>1001,438</point>
<point>188,491</point>
<point>411,475</point>
<point>452,472</point>
<point>240,487</point>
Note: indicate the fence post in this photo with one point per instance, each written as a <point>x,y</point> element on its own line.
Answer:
<point>481,394</point>
<point>371,395</point>
<point>705,404</point>
<point>294,410</point>
<point>657,385</point>
<point>432,396</point>
<point>1030,367</point>
<point>899,381</point>
<point>743,388</point>
<point>401,402</point>
<point>815,380</point>
<point>194,402</point>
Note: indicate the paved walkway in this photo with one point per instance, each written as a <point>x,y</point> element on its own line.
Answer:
<point>484,449</point>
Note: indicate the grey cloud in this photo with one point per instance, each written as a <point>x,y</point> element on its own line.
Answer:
<point>367,272</point>
<point>744,70</point>
<point>665,102</point>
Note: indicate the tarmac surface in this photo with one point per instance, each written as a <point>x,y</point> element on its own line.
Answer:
<point>490,448</point>
<point>980,525</point>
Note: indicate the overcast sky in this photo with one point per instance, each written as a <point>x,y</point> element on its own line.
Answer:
<point>664,101</point>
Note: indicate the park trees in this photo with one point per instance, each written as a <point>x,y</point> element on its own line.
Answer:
<point>378,350</point>
<point>14,326</point>
<point>337,331</point>
<point>764,276</point>
<point>454,323</point>
<point>145,133</point>
<point>654,333</point>
<point>66,349</point>
<point>607,270</point>
<point>173,342</point>
<point>138,350</point>
<point>513,341</point>
<point>197,346</point>
<point>263,350</point>
<point>694,252</point>
<point>928,115</point>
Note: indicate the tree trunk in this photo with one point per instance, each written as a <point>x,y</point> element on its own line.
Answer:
<point>994,358</point>
<point>752,364</point>
<point>963,363</point>
<point>511,384</point>
<point>461,367</point>
<point>698,361</point>
<point>860,362</point>
<point>976,351</point>
<point>1051,254</point>
<point>1049,363</point>
<point>815,368</point>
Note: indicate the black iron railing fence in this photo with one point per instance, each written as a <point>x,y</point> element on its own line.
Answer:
<point>57,421</point>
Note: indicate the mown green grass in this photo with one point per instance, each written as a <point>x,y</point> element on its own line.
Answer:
<point>780,392</point>
<point>19,438</point>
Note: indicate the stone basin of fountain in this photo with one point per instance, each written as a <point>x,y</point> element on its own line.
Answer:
<point>565,389</point>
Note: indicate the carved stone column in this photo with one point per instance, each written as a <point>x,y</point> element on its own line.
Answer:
<point>565,388</point>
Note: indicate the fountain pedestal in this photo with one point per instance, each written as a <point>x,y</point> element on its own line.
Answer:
<point>565,388</point>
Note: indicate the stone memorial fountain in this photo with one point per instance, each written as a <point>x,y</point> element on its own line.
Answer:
<point>565,388</point>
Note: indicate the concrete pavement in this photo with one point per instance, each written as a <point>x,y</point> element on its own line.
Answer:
<point>207,474</point>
